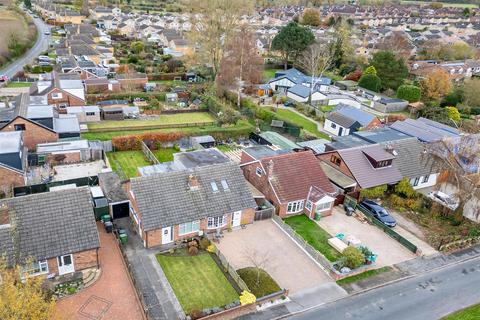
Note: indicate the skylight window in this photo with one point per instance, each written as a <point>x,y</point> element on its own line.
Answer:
<point>214,186</point>
<point>225,185</point>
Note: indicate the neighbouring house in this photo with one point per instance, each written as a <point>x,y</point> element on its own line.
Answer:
<point>380,134</point>
<point>345,119</point>
<point>301,93</point>
<point>345,142</point>
<point>102,85</point>
<point>181,204</point>
<point>112,109</point>
<point>63,152</point>
<point>13,161</point>
<point>370,166</point>
<point>85,114</point>
<point>413,162</point>
<point>425,130</point>
<point>130,81</point>
<point>56,229</point>
<point>293,182</point>
<point>386,104</point>
<point>286,79</point>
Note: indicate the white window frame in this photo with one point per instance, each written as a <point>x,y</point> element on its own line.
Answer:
<point>36,268</point>
<point>324,206</point>
<point>216,222</point>
<point>188,227</point>
<point>426,178</point>
<point>258,171</point>
<point>309,205</point>
<point>57,95</point>
<point>295,206</point>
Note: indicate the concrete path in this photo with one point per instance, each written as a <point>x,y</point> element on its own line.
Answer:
<point>40,46</point>
<point>424,248</point>
<point>154,290</point>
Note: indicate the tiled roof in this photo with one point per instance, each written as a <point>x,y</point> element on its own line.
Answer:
<point>342,120</point>
<point>51,224</point>
<point>165,199</point>
<point>360,116</point>
<point>292,175</point>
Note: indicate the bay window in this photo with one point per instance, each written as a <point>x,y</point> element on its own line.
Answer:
<point>217,222</point>
<point>189,227</point>
<point>295,206</point>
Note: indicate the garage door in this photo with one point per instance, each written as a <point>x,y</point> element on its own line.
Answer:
<point>120,210</point>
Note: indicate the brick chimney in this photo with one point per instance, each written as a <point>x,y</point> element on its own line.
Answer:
<point>193,182</point>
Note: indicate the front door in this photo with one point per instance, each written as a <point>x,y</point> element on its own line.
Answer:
<point>237,219</point>
<point>340,131</point>
<point>167,236</point>
<point>65,264</point>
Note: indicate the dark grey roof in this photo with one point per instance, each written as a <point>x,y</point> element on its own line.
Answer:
<point>166,200</point>
<point>260,151</point>
<point>53,223</point>
<point>383,134</point>
<point>410,158</point>
<point>342,120</point>
<point>345,142</point>
<point>198,158</point>
<point>112,187</point>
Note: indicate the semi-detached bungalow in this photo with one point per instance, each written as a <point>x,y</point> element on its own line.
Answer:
<point>183,204</point>
<point>55,232</point>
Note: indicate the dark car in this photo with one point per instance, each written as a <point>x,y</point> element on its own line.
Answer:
<point>378,212</point>
<point>289,103</point>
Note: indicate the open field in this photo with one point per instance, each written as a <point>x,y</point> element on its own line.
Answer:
<point>445,4</point>
<point>241,128</point>
<point>127,161</point>
<point>11,22</point>
<point>197,281</point>
<point>168,119</point>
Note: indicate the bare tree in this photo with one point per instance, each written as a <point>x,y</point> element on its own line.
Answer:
<point>316,59</point>
<point>460,157</point>
<point>398,43</point>
<point>257,259</point>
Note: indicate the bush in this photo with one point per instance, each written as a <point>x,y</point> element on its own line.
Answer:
<point>204,243</point>
<point>405,189</point>
<point>353,257</point>
<point>409,92</point>
<point>193,251</point>
<point>370,82</point>
<point>375,192</point>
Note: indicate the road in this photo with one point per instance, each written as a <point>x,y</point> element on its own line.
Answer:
<point>429,296</point>
<point>40,46</point>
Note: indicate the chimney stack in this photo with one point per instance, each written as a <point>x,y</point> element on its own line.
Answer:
<point>193,182</point>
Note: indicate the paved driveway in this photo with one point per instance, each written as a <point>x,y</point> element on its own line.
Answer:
<point>112,296</point>
<point>287,263</point>
<point>389,251</point>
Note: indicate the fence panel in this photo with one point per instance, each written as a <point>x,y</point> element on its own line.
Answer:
<point>149,154</point>
<point>264,214</point>
<point>231,271</point>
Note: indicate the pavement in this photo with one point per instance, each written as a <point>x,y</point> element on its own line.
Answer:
<point>431,295</point>
<point>155,292</point>
<point>265,239</point>
<point>112,296</point>
<point>41,45</point>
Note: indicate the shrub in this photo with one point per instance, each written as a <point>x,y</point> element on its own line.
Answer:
<point>405,189</point>
<point>196,314</point>
<point>247,298</point>
<point>353,257</point>
<point>193,251</point>
<point>370,82</point>
<point>211,248</point>
<point>375,192</point>
<point>409,92</point>
<point>204,243</point>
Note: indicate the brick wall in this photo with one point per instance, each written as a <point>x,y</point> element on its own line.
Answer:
<point>10,178</point>
<point>374,124</point>
<point>33,134</point>
<point>71,157</point>
<point>66,98</point>
<point>342,167</point>
<point>81,260</point>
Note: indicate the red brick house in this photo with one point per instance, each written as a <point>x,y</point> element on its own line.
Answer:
<point>13,161</point>
<point>294,182</point>
<point>56,229</point>
<point>182,204</point>
<point>33,132</point>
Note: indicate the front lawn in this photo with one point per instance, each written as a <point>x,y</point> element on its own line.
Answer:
<point>127,162</point>
<point>165,154</point>
<point>314,235</point>
<point>470,313</point>
<point>167,119</point>
<point>266,284</point>
<point>363,275</point>
<point>306,124</point>
<point>197,281</point>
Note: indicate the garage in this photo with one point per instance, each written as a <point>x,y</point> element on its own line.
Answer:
<point>120,210</point>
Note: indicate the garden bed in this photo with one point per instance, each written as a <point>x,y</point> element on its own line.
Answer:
<point>313,235</point>
<point>266,284</point>
<point>363,275</point>
<point>197,281</point>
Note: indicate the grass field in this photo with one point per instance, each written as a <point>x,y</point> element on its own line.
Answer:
<point>11,22</point>
<point>241,126</point>
<point>127,161</point>
<point>308,125</point>
<point>197,281</point>
<point>314,235</point>
<point>445,4</point>
<point>269,73</point>
<point>470,313</point>
<point>19,84</point>
<point>165,154</point>
<point>363,275</point>
<point>170,119</point>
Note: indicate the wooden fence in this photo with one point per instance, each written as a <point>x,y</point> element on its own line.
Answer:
<point>231,271</point>
<point>149,154</point>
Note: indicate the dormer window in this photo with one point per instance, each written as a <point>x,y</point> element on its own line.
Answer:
<point>335,159</point>
<point>258,171</point>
